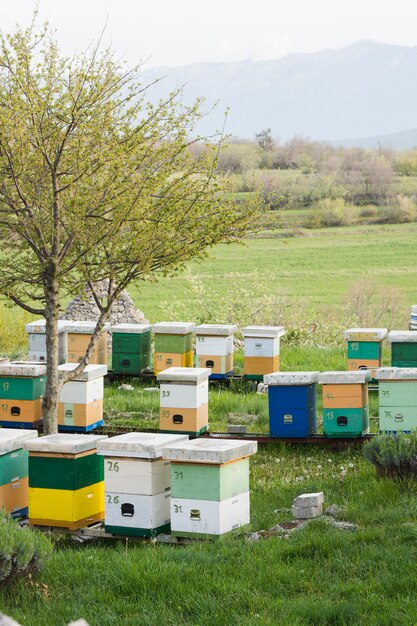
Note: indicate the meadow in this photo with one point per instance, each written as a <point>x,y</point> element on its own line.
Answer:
<point>319,575</point>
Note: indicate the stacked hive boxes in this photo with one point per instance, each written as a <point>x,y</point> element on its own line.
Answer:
<point>14,470</point>
<point>292,403</point>
<point>66,486</point>
<point>261,350</point>
<point>80,406</point>
<point>365,348</point>
<point>214,348</point>
<point>173,345</point>
<point>37,341</point>
<point>79,336</point>
<point>397,399</point>
<point>413,317</point>
<point>403,348</point>
<point>22,386</point>
<point>131,348</point>
<point>209,486</point>
<point>345,403</point>
<point>137,483</point>
<point>184,400</point>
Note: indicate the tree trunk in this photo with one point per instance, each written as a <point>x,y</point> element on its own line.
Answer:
<point>52,388</point>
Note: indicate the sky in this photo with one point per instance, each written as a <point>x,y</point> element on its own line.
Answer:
<point>179,32</point>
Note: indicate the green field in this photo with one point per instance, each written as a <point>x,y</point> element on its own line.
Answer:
<point>315,270</point>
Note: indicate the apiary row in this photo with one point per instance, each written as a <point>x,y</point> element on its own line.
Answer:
<point>140,484</point>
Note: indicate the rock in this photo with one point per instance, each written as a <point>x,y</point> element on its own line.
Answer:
<point>334,510</point>
<point>152,389</point>
<point>254,537</point>
<point>309,499</point>
<point>307,512</point>
<point>243,418</point>
<point>262,388</point>
<point>7,621</point>
<point>283,510</point>
<point>126,388</point>
<point>237,429</point>
<point>78,622</point>
<point>343,525</point>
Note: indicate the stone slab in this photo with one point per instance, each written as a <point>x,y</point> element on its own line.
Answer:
<point>64,443</point>
<point>138,445</point>
<point>345,378</point>
<point>309,500</point>
<point>210,451</point>
<point>291,378</point>
<point>307,512</point>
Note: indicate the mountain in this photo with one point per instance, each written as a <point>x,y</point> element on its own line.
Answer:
<point>367,89</point>
<point>397,141</point>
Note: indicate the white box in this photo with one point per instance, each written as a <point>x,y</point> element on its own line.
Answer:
<point>90,372</point>
<point>65,443</point>
<point>79,392</point>
<point>263,331</point>
<point>186,396</point>
<point>261,346</point>
<point>219,346</point>
<point>137,476</point>
<point>173,328</point>
<point>376,333</point>
<point>12,439</point>
<point>402,336</point>
<point>291,378</point>
<point>138,445</point>
<point>136,511</point>
<point>20,368</point>
<point>206,450</point>
<point>396,373</point>
<point>184,374</point>
<point>131,329</point>
<point>209,517</point>
<point>345,378</point>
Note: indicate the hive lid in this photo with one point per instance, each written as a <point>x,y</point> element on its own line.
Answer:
<point>396,373</point>
<point>131,329</point>
<point>187,374</point>
<point>263,331</point>
<point>83,327</point>
<point>138,445</point>
<point>400,336</point>
<point>22,368</point>
<point>357,377</point>
<point>209,450</point>
<point>39,327</point>
<point>90,372</point>
<point>367,333</point>
<point>221,330</point>
<point>173,328</point>
<point>65,443</point>
<point>13,439</point>
<point>291,378</point>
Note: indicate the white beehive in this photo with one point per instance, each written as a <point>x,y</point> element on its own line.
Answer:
<point>214,348</point>
<point>81,400</point>
<point>37,341</point>
<point>261,350</point>
<point>184,399</point>
<point>137,483</point>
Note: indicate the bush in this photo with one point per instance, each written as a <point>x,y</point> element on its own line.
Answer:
<point>394,456</point>
<point>403,213</point>
<point>22,550</point>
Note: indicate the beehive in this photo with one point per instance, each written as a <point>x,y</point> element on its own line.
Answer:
<point>79,336</point>
<point>137,483</point>
<point>14,470</point>
<point>80,407</point>
<point>397,399</point>
<point>209,486</point>
<point>131,348</point>
<point>184,400</point>
<point>403,348</point>
<point>173,345</point>
<point>261,350</point>
<point>292,403</point>
<point>214,348</point>
<point>22,386</point>
<point>66,480</point>
<point>345,403</point>
<point>37,341</point>
<point>365,348</point>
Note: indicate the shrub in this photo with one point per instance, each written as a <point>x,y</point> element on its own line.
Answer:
<point>389,450</point>
<point>22,550</point>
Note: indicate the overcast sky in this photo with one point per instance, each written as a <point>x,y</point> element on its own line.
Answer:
<point>178,32</point>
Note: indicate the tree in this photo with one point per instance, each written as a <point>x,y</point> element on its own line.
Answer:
<point>95,184</point>
<point>264,140</point>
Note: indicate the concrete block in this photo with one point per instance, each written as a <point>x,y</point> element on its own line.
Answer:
<point>309,499</point>
<point>237,429</point>
<point>307,512</point>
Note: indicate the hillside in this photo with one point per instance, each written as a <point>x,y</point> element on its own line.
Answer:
<point>363,90</point>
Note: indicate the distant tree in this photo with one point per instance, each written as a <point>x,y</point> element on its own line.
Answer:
<point>264,140</point>
<point>95,185</point>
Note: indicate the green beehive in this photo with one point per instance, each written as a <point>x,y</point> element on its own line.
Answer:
<point>216,482</point>
<point>12,388</point>
<point>397,399</point>
<point>173,343</point>
<point>364,350</point>
<point>403,348</point>
<point>131,348</point>
<point>65,473</point>
<point>336,420</point>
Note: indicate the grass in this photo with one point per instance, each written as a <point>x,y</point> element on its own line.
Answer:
<point>318,268</point>
<point>319,576</point>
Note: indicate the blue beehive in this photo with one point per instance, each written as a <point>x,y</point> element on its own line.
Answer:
<point>292,403</point>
